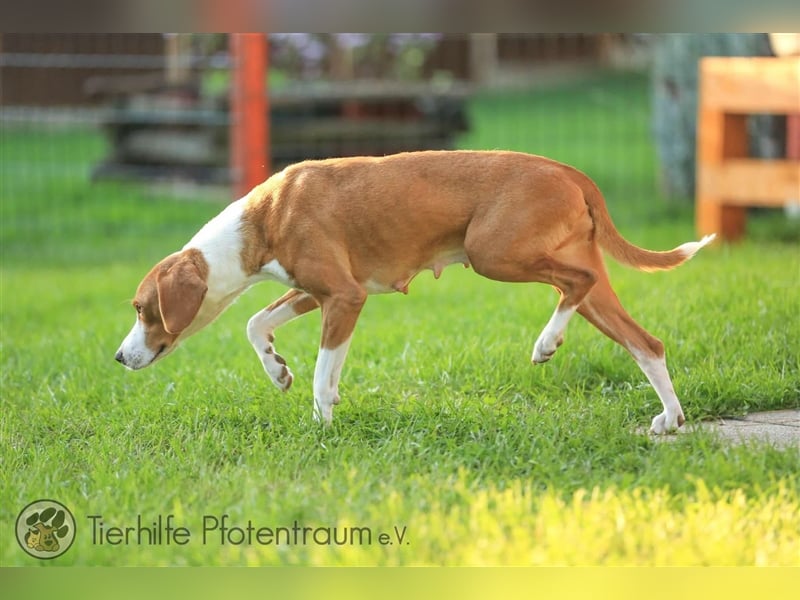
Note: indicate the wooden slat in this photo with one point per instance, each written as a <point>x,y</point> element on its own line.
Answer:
<point>793,136</point>
<point>720,136</point>
<point>751,84</point>
<point>751,181</point>
<point>299,95</point>
<point>315,130</point>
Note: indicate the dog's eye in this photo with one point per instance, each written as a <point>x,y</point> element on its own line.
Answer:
<point>138,308</point>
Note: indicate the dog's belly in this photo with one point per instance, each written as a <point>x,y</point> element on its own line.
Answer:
<point>388,281</point>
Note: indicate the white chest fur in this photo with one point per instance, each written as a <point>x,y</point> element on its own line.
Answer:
<point>220,240</point>
<point>274,271</point>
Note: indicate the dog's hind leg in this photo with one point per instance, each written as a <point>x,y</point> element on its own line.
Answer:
<point>552,335</point>
<point>519,244</point>
<point>602,308</point>
<point>260,330</point>
<point>572,283</point>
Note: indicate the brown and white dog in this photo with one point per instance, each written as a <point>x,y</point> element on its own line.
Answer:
<point>338,230</point>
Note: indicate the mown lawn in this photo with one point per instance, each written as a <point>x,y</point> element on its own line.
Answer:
<point>447,438</point>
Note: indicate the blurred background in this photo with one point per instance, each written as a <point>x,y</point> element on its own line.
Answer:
<point>95,125</point>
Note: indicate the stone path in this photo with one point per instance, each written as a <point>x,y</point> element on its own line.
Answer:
<point>781,428</point>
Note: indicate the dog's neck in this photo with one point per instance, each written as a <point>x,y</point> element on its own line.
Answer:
<point>220,242</point>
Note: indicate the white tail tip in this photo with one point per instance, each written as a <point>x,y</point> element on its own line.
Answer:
<point>689,249</point>
<point>707,239</point>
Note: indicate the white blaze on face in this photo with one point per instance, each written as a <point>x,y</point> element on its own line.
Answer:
<point>134,353</point>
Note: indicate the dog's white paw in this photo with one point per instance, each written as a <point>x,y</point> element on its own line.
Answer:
<point>284,381</point>
<point>323,413</point>
<point>275,366</point>
<point>544,348</point>
<point>662,424</point>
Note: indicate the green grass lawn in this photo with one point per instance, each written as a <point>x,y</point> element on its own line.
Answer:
<point>447,438</point>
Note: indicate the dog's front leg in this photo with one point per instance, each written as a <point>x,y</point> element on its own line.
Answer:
<point>339,315</point>
<point>260,330</point>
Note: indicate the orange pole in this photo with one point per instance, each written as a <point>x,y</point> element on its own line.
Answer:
<point>249,139</point>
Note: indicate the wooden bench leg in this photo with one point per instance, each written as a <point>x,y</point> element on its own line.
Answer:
<point>720,136</point>
<point>793,136</point>
<point>728,222</point>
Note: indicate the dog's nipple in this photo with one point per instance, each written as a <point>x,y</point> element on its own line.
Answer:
<point>401,286</point>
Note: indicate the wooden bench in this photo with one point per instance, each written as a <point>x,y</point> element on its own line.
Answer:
<point>364,118</point>
<point>727,180</point>
<point>164,135</point>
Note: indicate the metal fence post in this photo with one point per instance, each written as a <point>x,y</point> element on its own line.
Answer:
<point>249,155</point>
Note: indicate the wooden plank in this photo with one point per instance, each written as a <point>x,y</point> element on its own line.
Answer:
<point>156,115</point>
<point>305,94</point>
<point>751,181</point>
<point>751,84</point>
<point>315,130</point>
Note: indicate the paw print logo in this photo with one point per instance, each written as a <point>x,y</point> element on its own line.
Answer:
<point>45,529</point>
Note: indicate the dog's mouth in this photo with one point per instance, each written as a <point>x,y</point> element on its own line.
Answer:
<point>158,355</point>
<point>135,366</point>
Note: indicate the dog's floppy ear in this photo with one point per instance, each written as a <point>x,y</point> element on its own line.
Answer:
<point>181,289</point>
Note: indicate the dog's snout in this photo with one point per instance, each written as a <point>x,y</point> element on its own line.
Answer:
<point>119,357</point>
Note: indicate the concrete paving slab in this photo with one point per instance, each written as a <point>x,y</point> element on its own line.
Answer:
<point>779,435</point>
<point>780,428</point>
<point>776,417</point>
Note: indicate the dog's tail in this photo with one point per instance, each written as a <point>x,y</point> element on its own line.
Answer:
<point>622,250</point>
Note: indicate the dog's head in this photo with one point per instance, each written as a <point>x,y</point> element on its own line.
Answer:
<point>167,302</point>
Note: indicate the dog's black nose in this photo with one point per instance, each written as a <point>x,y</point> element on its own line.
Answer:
<point>119,358</point>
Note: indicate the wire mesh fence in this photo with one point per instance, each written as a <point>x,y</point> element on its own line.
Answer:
<point>150,114</point>
<point>147,109</point>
